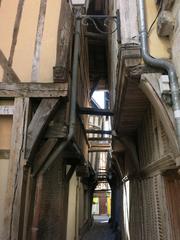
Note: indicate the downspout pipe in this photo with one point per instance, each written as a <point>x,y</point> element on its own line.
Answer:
<point>73,95</point>
<point>160,63</point>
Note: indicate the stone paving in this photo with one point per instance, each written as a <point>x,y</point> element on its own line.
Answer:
<point>100,230</point>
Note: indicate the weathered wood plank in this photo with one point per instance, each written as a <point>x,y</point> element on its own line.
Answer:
<point>160,165</point>
<point>63,43</point>
<point>56,131</point>
<point>38,42</point>
<point>38,124</point>
<point>10,75</point>
<point>34,90</point>
<point>16,170</point>
<point>129,22</point>
<point>105,149</point>
<point>152,94</point>
<point>36,213</point>
<point>6,110</point>
<point>43,153</point>
<point>131,147</point>
<point>29,199</point>
<point>4,153</point>
<point>16,30</point>
<point>64,34</point>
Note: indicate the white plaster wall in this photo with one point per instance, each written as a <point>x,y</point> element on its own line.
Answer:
<point>49,43</point>
<point>25,45</point>
<point>81,206</point>
<point>8,10</point>
<point>71,226</point>
<point>24,51</point>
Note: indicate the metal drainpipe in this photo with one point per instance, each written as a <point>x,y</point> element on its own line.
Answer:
<point>73,95</point>
<point>160,63</point>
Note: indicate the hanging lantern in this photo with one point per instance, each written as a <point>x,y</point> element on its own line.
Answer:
<point>79,3</point>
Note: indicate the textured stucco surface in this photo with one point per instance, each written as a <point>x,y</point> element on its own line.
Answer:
<point>176,37</point>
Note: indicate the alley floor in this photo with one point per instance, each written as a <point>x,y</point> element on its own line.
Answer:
<point>100,230</point>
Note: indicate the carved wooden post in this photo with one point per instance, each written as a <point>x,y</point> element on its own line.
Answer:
<point>14,195</point>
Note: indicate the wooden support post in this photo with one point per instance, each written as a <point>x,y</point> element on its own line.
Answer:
<point>63,43</point>
<point>39,122</point>
<point>43,154</point>
<point>16,171</point>
<point>30,189</point>
<point>36,214</point>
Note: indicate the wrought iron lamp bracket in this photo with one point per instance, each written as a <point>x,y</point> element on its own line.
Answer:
<point>107,19</point>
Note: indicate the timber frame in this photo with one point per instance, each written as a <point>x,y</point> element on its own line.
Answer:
<point>137,89</point>
<point>40,117</point>
<point>40,113</point>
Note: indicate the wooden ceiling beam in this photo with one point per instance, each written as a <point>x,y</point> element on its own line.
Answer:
<point>39,123</point>
<point>33,90</point>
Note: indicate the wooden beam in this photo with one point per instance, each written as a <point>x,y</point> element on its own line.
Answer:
<point>149,86</point>
<point>14,196</point>
<point>129,23</point>
<point>64,34</point>
<point>93,131</point>
<point>83,129</point>
<point>105,149</point>
<point>56,131</point>
<point>16,30</point>
<point>43,154</point>
<point>94,111</point>
<point>37,203</point>
<point>38,124</point>
<point>101,145</point>
<point>10,75</point>
<point>94,139</point>
<point>103,190</point>
<point>161,165</point>
<point>33,90</point>
<point>64,40</point>
<point>38,41</point>
<point>4,154</point>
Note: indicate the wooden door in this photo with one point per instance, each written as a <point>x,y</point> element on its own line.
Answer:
<point>172,182</point>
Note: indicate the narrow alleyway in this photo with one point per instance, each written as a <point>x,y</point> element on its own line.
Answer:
<point>100,231</point>
<point>90,120</point>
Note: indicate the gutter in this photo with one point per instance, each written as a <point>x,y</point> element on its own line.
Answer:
<point>160,63</point>
<point>73,100</point>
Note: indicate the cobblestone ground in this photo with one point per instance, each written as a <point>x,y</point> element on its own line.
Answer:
<point>100,231</point>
